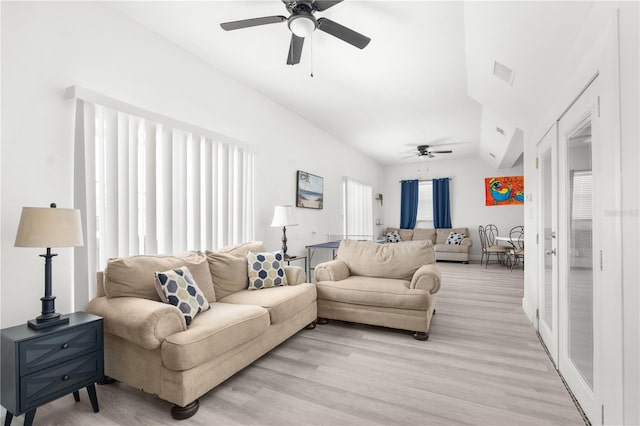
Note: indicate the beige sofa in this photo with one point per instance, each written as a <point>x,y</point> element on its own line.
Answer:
<point>148,344</point>
<point>390,285</point>
<point>439,237</point>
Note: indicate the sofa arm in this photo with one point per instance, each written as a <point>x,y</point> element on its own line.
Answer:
<point>333,270</point>
<point>295,274</point>
<point>466,242</point>
<point>141,321</point>
<point>427,278</point>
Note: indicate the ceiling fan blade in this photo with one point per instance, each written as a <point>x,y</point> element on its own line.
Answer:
<point>410,156</point>
<point>343,33</point>
<point>253,22</point>
<point>325,4</point>
<point>295,49</point>
<point>441,152</point>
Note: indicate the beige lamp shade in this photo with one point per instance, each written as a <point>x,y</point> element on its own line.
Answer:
<point>283,216</point>
<point>49,227</point>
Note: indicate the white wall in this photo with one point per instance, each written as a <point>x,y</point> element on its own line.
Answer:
<point>47,47</point>
<point>466,190</point>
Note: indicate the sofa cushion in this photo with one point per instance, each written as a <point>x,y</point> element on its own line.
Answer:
<point>367,291</point>
<point>178,288</point>
<point>443,233</point>
<point>392,237</point>
<point>265,270</point>
<point>425,234</point>
<point>133,276</point>
<point>400,260</point>
<point>281,302</point>
<point>454,238</point>
<point>212,333</point>
<point>406,234</point>
<point>228,267</point>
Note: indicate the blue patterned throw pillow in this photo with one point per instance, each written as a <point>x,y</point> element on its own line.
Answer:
<point>178,288</point>
<point>455,238</point>
<point>265,270</point>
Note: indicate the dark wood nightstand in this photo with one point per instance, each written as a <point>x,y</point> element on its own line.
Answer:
<point>39,366</point>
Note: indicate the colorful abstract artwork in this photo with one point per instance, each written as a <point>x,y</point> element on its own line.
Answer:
<point>504,190</point>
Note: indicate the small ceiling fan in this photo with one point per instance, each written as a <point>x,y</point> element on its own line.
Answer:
<point>302,23</point>
<point>425,151</point>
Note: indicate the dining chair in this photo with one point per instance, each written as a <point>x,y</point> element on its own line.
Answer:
<point>516,238</point>
<point>490,234</point>
<point>483,243</point>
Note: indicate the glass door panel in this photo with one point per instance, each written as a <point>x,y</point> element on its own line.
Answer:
<point>580,250</point>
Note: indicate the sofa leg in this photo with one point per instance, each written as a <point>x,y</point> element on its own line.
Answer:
<point>311,325</point>
<point>420,335</point>
<point>182,413</point>
<point>323,321</point>
<point>106,380</point>
<point>434,312</point>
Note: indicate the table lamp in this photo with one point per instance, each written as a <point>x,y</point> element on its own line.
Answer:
<point>283,216</point>
<point>46,228</point>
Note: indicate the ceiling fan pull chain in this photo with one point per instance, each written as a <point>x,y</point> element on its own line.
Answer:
<point>311,43</point>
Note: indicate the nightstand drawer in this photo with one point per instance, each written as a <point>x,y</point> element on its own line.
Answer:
<point>52,383</point>
<point>59,346</point>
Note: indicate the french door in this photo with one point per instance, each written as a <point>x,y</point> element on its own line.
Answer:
<point>547,156</point>
<point>578,138</point>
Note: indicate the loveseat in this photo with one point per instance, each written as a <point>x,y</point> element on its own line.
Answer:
<point>149,345</point>
<point>390,285</point>
<point>438,237</point>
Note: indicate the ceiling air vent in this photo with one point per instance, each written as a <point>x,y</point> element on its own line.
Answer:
<point>503,72</point>
<point>499,130</point>
<point>492,155</point>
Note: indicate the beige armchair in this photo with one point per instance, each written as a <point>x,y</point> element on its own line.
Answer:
<point>392,285</point>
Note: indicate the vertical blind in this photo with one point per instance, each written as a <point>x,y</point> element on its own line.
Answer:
<point>358,209</point>
<point>148,187</point>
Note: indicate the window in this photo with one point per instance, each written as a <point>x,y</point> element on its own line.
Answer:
<point>152,186</point>
<point>425,202</point>
<point>358,210</point>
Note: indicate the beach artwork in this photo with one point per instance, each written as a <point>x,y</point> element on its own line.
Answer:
<point>505,190</point>
<point>309,190</point>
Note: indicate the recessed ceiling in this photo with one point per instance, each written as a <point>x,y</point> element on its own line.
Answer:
<point>408,87</point>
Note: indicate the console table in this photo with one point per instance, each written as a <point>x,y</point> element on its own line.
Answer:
<point>39,366</point>
<point>330,245</point>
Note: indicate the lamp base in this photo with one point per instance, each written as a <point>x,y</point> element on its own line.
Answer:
<point>39,324</point>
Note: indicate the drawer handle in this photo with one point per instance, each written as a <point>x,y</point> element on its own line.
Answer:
<point>65,346</point>
<point>65,377</point>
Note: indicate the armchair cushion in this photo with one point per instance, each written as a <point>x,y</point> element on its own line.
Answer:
<point>382,292</point>
<point>400,260</point>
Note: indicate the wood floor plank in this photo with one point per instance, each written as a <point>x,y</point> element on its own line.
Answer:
<point>482,364</point>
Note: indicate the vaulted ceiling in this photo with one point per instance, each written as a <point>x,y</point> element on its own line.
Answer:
<point>425,77</point>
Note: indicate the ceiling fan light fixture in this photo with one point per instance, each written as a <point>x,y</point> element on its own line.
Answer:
<point>302,25</point>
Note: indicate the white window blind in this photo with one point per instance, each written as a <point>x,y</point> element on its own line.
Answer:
<point>358,210</point>
<point>145,186</point>
<point>425,201</point>
<point>581,195</point>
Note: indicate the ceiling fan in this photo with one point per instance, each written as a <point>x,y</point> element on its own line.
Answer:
<point>425,151</point>
<point>302,23</point>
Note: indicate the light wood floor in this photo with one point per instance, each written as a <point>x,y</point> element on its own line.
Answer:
<point>482,365</point>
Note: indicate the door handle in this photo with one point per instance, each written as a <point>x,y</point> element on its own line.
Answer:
<point>553,234</point>
<point>548,252</point>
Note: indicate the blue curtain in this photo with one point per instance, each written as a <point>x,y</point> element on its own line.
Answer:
<point>409,204</point>
<point>441,207</point>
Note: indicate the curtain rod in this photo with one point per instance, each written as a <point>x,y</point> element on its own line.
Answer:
<point>424,180</point>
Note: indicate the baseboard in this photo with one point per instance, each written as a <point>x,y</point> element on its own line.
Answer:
<point>529,311</point>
